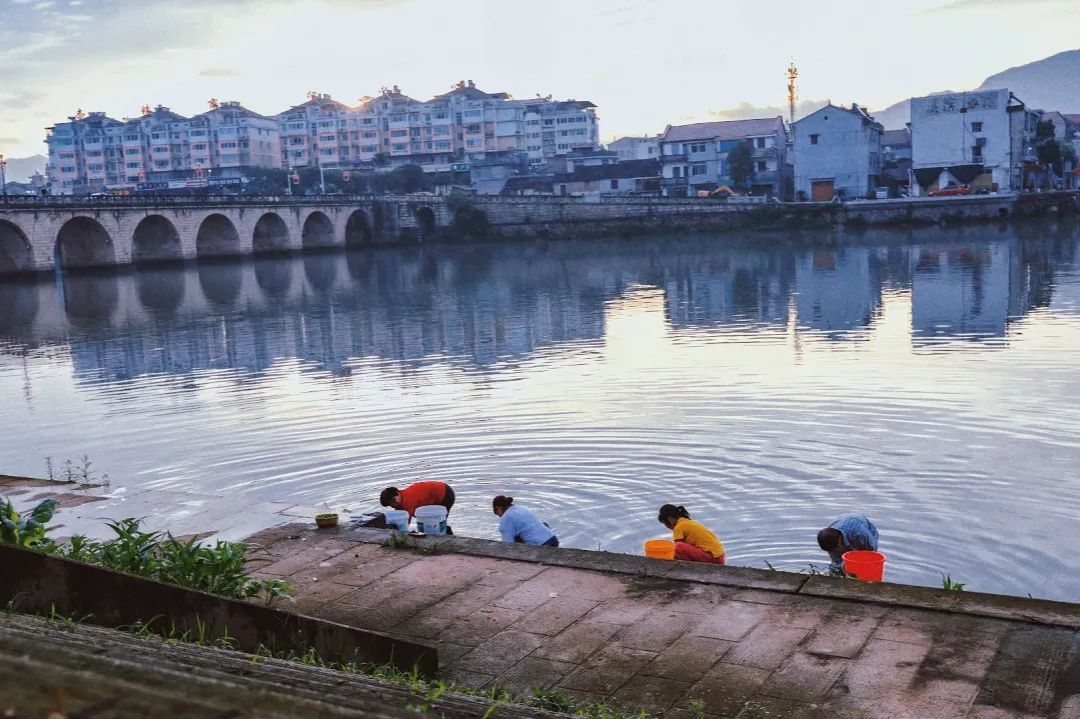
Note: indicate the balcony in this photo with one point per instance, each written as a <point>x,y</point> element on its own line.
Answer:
<point>674,181</point>
<point>762,153</point>
<point>674,158</point>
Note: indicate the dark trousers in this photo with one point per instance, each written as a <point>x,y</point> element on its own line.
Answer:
<point>553,542</point>
<point>448,499</point>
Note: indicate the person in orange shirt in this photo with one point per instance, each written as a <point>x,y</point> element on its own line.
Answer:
<point>418,494</point>
<point>693,541</point>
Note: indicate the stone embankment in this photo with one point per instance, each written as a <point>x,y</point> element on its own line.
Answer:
<point>42,233</point>
<point>679,639</point>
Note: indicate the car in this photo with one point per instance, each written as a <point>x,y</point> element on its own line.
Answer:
<point>950,190</point>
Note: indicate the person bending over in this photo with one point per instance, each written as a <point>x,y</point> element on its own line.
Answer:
<point>848,532</point>
<point>693,541</point>
<point>418,494</point>
<point>517,524</point>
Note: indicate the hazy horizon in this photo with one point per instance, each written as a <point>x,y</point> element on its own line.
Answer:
<point>645,63</point>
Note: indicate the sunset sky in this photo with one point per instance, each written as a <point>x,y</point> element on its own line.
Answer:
<point>645,63</point>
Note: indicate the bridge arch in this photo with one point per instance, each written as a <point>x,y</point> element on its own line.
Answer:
<point>217,237</point>
<point>155,239</point>
<point>271,234</point>
<point>358,231</point>
<point>83,242</point>
<point>425,222</point>
<point>318,231</point>
<point>16,254</point>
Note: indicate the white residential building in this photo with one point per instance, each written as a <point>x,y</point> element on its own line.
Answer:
<point>463,124</point>
<point>837,152</point>
<point>981,139</point>
<point>694,158</point>
<point>636,148</point>
<point>93,152</point>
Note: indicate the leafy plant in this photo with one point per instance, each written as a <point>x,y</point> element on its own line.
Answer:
<point>218,569</point>
<point>551,701</point>
<point>948,584</point>
<point>26,529</point>
<point>82,473</point>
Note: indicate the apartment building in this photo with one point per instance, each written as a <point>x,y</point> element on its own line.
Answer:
<point>463,124</point>
<point>93,152</point>
<point>694,158</point>
<point>982,139</point>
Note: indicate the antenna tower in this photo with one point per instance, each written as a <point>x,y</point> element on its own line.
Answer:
<point>792,74</point>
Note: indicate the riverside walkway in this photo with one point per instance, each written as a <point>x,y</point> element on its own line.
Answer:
<point>683,640</point>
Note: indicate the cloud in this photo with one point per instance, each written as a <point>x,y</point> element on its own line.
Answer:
<point>218,72</point>
<point>10,140</point>
<point>954,5</point>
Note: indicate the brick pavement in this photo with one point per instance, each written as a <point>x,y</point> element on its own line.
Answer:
<point>659,644</point>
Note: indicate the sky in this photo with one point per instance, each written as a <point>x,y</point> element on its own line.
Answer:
<point>645,63</point>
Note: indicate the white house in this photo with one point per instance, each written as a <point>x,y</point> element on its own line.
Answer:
<point>636,148</point>
<point>837,151</point>
<point>981,139</point>
<point>693,158</point>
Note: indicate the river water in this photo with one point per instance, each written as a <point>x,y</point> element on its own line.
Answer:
<point>928,378</point>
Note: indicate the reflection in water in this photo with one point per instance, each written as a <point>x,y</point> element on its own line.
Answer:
<point>926,377</point>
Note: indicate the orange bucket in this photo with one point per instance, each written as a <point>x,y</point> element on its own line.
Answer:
<point>865,565</point>
<point>660,549</point>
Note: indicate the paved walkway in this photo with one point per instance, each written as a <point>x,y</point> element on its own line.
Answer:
<point>661,635</point>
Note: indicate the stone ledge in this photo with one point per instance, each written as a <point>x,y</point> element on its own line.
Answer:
<point>998,606</point>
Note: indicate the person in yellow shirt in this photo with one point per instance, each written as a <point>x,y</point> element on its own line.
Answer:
<point>693,541</point>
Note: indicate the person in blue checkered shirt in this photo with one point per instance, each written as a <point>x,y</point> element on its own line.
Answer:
<point>847,532</point>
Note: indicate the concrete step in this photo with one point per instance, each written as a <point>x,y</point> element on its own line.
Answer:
<point>84,670</point>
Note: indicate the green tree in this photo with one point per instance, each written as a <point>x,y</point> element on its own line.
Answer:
<point>266,181</point>
<point>741,164</point>
<point>402,180</point>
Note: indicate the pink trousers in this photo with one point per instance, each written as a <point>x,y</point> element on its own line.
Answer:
<point>690,553</point>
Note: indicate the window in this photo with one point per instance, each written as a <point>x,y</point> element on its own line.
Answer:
<point>759,143</point>
<point>133,165</point>
<point>696,147</point>
<point>161,149</point>
<point>67,169</point>
<point>614,184</point>
<point>976,127</point>
<point>132,151</point>
<point>698,168</point>
<point>814,139</point>
<point>761,166</point>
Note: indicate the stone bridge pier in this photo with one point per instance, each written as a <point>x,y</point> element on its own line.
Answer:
<point>46,233</point>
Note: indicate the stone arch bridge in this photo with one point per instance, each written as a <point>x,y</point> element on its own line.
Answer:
<point>46,233</point>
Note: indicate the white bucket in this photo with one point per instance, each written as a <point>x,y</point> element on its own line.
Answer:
<point>397,519</point>
<point>431,519</point>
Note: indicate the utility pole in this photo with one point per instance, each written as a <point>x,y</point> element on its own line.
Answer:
<point>3,175</point>
<point>792,74</point>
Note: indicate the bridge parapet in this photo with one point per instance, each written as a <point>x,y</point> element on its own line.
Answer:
<point>41,233</point>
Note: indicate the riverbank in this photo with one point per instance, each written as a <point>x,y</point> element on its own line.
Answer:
<point>682,640</point>
<point>41,234</point>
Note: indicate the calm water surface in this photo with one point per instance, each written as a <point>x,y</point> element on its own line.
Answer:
<point>929,379</point>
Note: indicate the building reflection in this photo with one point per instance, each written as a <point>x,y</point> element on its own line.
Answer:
<point>480,306</point>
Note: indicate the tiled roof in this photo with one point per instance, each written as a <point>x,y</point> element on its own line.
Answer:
<point>615,171</point>
<point>1073,118</point>
<point>727,130</point>
<point>896,138</point>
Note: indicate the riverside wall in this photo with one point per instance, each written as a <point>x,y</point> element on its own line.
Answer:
<point>45,233</point>
<point>555,217</point>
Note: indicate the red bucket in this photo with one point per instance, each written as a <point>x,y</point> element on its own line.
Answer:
<point>865,565</point>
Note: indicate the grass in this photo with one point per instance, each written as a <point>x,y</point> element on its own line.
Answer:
<point>948,584</point>
<point>82,474</point>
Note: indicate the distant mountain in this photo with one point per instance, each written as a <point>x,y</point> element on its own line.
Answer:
<point>19,169</point>
<point>1052,83</point>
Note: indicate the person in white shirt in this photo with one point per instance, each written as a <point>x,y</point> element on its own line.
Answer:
<point>517,524</point>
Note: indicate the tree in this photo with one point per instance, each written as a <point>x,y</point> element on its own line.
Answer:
<point>266,181</point>
<point>402,180</point>
<point>741,164</point>
<point>1051,151</point>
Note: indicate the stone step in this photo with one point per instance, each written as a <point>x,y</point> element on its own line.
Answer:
<point>48,666</point>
